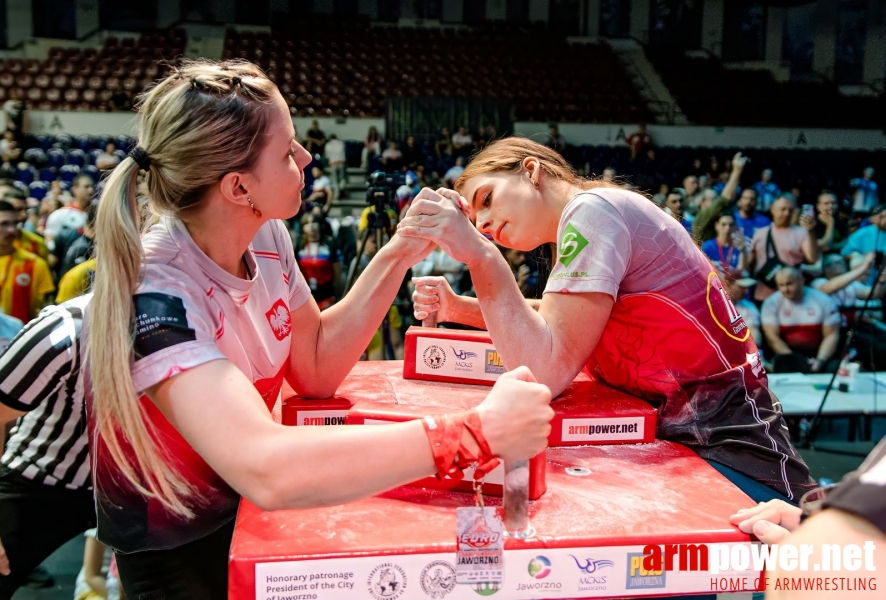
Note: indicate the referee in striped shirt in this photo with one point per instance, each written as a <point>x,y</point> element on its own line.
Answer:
<point>46,495</point>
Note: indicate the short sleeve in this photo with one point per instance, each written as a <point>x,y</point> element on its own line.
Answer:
<point>593,248</point>
<point>818,283</point>
<point>173,331</point>
<point>299,291</point>
<point>769,310</point>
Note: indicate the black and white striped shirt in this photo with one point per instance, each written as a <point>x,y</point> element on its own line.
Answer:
<point>39,374</point>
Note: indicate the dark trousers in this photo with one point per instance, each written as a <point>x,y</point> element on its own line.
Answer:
<point>35,520</point>
<point>198,569</point>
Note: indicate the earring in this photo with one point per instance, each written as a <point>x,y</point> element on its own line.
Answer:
<point>255,211</point>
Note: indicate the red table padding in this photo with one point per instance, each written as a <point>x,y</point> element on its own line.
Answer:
<point>632,495</point>
<point>587,412</point>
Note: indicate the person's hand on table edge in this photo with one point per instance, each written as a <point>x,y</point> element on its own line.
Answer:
<point>771,522</point>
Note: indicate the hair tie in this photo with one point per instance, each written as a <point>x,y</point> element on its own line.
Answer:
<point>235,81</point>
<point>141,158</point>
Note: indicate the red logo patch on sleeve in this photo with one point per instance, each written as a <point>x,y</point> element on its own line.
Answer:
<point>279,319</point>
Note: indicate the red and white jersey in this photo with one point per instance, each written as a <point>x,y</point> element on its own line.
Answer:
<point>800,323</point>
<point>190,311</point>
<point>674,336</point>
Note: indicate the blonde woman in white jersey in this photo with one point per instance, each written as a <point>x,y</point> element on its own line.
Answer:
<point>194,326</point>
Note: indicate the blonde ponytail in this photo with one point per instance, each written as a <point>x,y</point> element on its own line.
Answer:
<point>204,120</point>
<point>109,346</point>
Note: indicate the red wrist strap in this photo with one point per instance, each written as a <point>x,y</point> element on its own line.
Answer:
<point>444,434</point>
<point>487,461</point>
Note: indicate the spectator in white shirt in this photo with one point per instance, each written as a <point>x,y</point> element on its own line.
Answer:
<point>321,190</point>
<point>392,157</point>
<point>335,154</point>
<point>9,150</point>
<point>440,263</point>
<point>798,320</point>
<point>462,142</point>
<point>846,286</point>
<point>72,216</point>
<point>452,175</point>
<point>107,160</point>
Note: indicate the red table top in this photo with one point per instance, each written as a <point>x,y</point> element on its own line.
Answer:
<point>634,495</point>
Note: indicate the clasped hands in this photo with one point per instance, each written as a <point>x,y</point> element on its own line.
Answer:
<point>443,217</point>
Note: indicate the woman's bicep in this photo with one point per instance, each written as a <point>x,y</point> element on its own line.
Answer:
<point>303,344</point>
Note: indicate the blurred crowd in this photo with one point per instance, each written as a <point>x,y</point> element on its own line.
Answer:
<point>801,272</point>
<point>801,268</point>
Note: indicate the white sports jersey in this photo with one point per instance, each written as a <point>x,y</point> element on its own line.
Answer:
<point>674,337</point>
<point>800,323</point>
<point>190,311</point>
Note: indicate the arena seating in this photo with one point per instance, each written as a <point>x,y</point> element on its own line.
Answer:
<point>90,78</point>
<point>63,157</point>
<point>350,69</point>
<point>710,94</point>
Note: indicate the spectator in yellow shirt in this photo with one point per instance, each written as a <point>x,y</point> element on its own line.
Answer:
<point>26,279</point>
<point>30,242</point>
<point>76,281</point>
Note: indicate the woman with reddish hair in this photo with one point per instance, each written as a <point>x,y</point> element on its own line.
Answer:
<point>630,297</point>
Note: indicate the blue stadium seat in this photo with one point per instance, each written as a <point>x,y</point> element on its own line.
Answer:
<point>35,156</point>
<point>55,157</point>
<point>124,143</point>
<point>63,141</point>
<point>85,142</point>
<point>92,155</point>
<point>102,141</point>
<point>47,174</point>
<point>92,171</point>
<point>38,189</point>
<point>76,156</point>
<point>43,141</point>
<point>24,173</point>
<point>68,172</point>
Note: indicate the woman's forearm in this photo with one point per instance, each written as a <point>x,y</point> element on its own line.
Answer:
<point>347,327</point>
<point>389,455</point>
<point>529,343</point>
